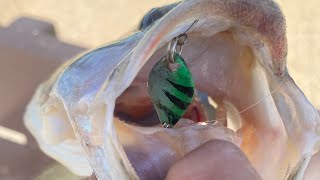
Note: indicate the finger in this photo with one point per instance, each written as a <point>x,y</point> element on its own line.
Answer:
<point>215,159</point>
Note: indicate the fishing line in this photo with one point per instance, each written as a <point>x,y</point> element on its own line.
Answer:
<point>254,104</point>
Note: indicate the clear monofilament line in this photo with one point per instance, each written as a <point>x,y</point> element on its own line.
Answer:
<point>254,104</point>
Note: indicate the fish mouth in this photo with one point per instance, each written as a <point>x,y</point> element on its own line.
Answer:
<point>237,55</point>
<point>238,87</point>
<point>258,103</point>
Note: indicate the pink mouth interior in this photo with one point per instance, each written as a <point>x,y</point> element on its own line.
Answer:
<point>222,68</point>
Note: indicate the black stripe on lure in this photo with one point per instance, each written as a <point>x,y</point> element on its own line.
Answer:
<point>170,84</point>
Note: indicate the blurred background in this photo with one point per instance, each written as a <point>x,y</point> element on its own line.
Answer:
<point>36,36</point>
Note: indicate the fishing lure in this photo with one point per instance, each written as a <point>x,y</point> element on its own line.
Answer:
<point>170,84</point>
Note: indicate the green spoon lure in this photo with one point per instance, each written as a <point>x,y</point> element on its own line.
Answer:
<point>170,86</point>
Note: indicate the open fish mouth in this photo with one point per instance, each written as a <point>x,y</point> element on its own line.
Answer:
<point>237,55</point>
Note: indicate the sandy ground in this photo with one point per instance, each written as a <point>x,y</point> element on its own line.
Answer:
<point>96,22</point>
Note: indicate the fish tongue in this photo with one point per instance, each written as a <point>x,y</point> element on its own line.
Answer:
<point>153,150</point>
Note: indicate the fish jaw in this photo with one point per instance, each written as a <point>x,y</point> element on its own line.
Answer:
<point>88,95</point>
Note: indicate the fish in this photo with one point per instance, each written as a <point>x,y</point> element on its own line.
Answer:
<point>87,114</point>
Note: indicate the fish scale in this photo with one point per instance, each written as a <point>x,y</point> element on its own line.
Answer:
<point>171,91</point>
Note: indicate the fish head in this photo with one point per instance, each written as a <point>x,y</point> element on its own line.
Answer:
<point>237,56</point>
